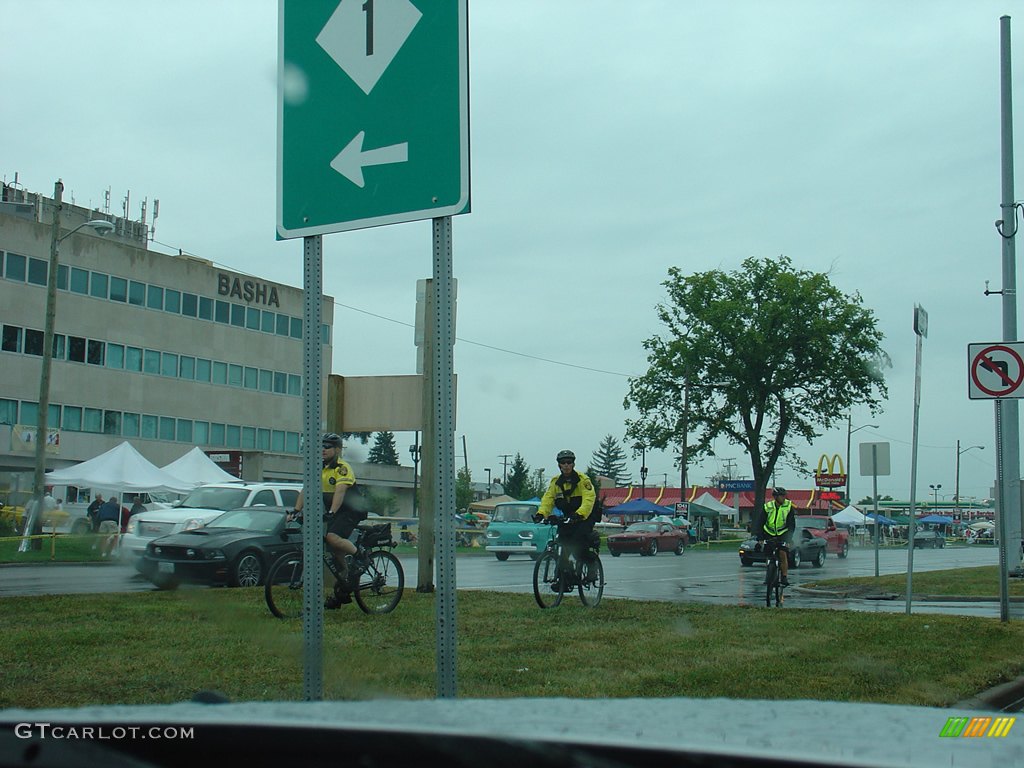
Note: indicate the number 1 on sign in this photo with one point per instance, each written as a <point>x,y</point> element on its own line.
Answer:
<point>368,8</point>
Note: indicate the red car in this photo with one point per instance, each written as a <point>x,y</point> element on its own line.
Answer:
<point>648,539</point>
<point>822,526</point>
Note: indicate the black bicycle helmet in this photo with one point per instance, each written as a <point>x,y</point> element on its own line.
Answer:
<point>331,440</point>
<point>778,491</point>
<point>565,456</point>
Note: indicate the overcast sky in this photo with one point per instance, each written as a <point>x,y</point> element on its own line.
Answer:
<point>610,141</point>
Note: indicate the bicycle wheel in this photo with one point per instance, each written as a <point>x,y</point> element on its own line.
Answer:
<point>380,585</point>
<point>771,579</point>
<point>548,586</point>
<point>591,585</point>
<point>283,588</point>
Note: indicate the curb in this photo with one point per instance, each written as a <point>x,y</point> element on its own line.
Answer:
<point>855,595</point>
<point>1007,697</point>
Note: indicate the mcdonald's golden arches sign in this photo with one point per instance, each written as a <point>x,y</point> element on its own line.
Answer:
<point>826,476</point>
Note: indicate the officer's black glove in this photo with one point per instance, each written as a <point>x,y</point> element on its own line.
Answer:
<point>538,518</point>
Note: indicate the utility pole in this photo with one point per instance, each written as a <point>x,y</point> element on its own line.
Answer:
<point>504,468</point>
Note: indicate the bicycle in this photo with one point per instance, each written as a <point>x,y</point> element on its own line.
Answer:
<point>773,575</point>
<point>551,582</point>
<point>376,577</point>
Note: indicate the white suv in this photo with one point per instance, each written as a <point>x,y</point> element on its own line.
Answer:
<point>202,505</point>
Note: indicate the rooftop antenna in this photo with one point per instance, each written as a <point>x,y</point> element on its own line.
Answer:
<point>106,201</point>
<point>156,212</point>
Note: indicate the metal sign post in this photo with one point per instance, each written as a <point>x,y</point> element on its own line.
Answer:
<point>921,331</point>
<point>874,461</point>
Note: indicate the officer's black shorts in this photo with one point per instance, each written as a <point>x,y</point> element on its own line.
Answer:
<point>342,525</point>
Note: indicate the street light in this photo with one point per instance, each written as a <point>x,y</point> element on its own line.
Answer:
<point>849,432</point>
<point>488,471</point>
<point>414,449</point>
<point>956,490</point>
<point>643,467</point>
<point>935,494</point>
<point>101,227</point>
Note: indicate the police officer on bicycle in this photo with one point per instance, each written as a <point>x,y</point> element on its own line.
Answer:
<point>779,522</point>
<point>337,479</point>
<point>570,495</point>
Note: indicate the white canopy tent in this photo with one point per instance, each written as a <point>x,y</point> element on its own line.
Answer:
<point>122,468</point>
<point>196,468</point>
<point>851,516</point>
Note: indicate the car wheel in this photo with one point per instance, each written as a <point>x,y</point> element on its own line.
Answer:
<point>652,549</point>
<point>680,547</point>
<point>746,562</point>
<point>819,561</point>
<point>794,558</point>
<point>845,549</point>
<point>247,570</point>
<point>503,556</point>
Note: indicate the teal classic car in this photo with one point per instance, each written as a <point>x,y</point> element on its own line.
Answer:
<point>513,532</point>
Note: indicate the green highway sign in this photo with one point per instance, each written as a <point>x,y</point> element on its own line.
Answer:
<point>373,113</point>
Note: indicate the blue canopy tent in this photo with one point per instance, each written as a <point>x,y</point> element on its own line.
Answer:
<point>882,519</point>
<point>937,520</point>
<point>637,509</point>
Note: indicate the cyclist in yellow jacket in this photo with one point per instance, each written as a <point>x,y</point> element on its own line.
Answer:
<point>336,479</point>
<point>570,495</point>
<point>779,522</point>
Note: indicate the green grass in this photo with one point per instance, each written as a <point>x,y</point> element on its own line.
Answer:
<point>61,549</point>
<point>982,581</point>
<point>158,647</point>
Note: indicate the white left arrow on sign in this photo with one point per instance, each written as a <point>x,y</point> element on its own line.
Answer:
<point>364,36</point>
<point>352,159</point>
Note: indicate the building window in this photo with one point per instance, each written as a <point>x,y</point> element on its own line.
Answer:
<point>172,301</point>
<point>249,438</point>
<point>292,442</point>
<point>238,315</point>
<point>62,277</point>
<point>283,323</point>
<point>263,439</point>
<point>33,342</point>
<point>325,334</point>
<point>187,367</point>
<point>79,281</point>
<point>15,268</point>
<point>151,361</point>
<point>223,312</point>
<point>93,421</point>
<point>252,319</point>
<point>216,434</point>
<point>72,420</point>
<point>11,340</point>
<point>205,308</point>
<point>60,346</point>
<point>133,359</point>
<point>267,321</point>
<point>233,438</point>
<point>118,289</point>
<point>168,364</point>
<point>98,285</point>
<point>294,385</point>
<point>149,426</point>
<point>76,349</point>
<point>115,355</point>
<point>201,433</point>
<point>280,383</point>
<point>167,430</point>
<point>220,373</point>
<point>296,332</point>
<point>130,425</point>
<point>8,411</point>
<point>29,413</point>
<point>184,431</point>
<point>189,304</point>
<point>277,441</point>
<point>234,375</point>
<point>266,381</point>
<point>136,293</point>
<point>37,269</point>
<point>202,369</point>
<point>94,352</point>
<point>252,378</point>
<point>111,422</point>
<point>155,297</point>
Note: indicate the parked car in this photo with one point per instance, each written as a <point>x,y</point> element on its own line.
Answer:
<point>648,539</point>
<point>836,538</point>
<point>929,538</point>
<point>201,506</point>
<point>235,549</point>
<point>512,531</point>
<point>805,547</point>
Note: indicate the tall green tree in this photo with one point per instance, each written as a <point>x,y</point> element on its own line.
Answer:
<point>609,460</point>
<point>773,355</point>
<point>538,484</point>
<point>518,484</point>
<point>383,450</point>
<point>463,489</point>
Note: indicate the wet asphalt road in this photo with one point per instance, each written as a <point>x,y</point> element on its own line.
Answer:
<point>709,577</point>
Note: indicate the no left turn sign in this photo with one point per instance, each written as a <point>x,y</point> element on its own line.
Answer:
<point>995,370</point>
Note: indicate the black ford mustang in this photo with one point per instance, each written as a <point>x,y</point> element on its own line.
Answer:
<point>236,549</point>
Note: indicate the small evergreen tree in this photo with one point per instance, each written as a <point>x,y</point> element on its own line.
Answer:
<point>519,485</point>
<point>384,451</point>
<point>610,460</point>
<point>463,489</point>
